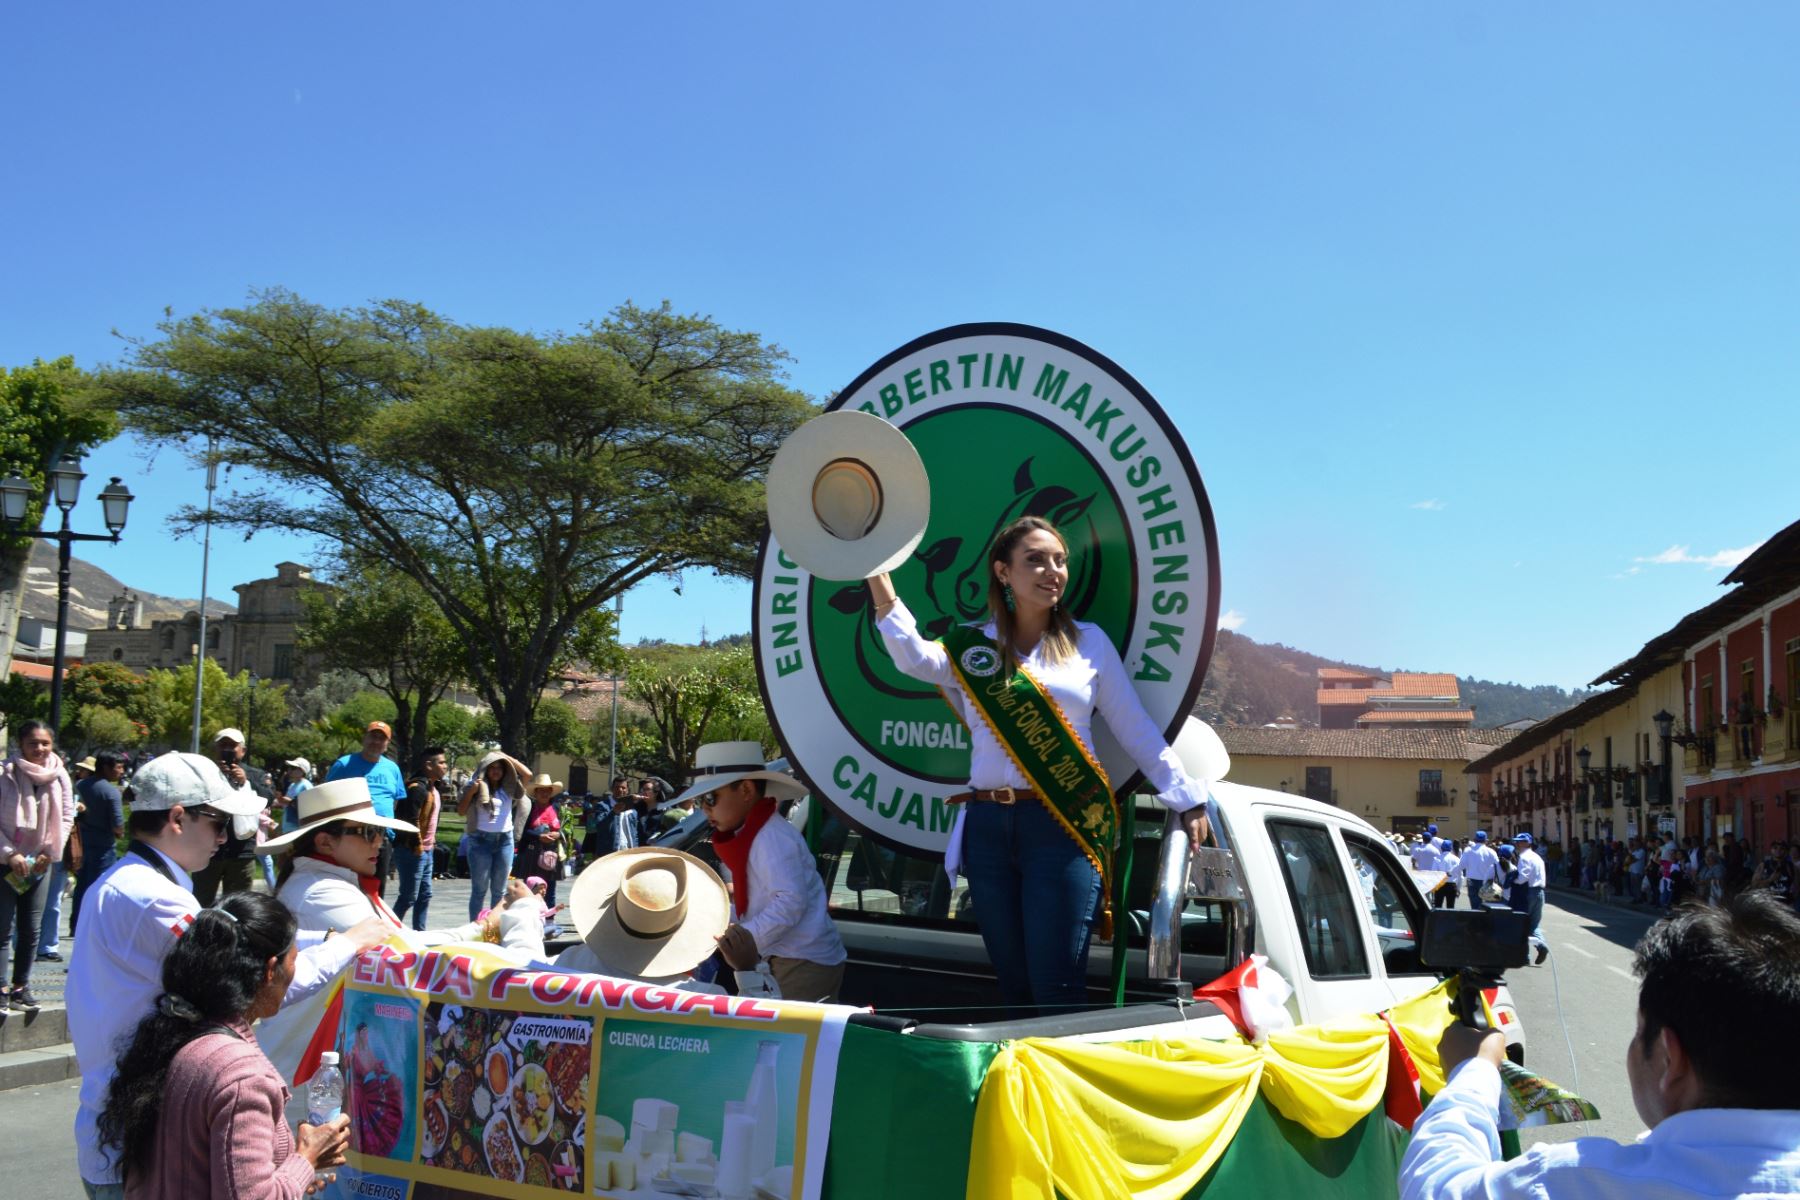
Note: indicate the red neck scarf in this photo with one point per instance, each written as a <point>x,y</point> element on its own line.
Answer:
<point>734,851</point>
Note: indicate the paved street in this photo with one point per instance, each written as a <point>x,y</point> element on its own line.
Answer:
<point>1590,962</point>
<point>1590,966</point>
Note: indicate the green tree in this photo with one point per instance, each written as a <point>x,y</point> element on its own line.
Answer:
<point>99,727</point>
<point>693,695</point>
<point>521,480</point>
<point>384,629</point>
<point>104,688</point>
<point>229,700</point>
<point>44,413</point>
<point>21,700</point>
<point>557,729</point>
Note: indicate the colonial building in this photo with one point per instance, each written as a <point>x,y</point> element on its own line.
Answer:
<point>1358,699</point>
<point>260,637</point>
<point>1698,735</point>
<point>1398,779</point>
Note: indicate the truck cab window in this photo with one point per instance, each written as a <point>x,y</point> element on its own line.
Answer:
<point>1323,904</point>
<point>1383,886</point>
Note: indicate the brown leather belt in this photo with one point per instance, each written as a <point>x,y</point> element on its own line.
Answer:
<point>1003,795</point>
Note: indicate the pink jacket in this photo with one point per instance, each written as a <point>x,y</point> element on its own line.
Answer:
<point>34,818</point>
<point>222,1132</point>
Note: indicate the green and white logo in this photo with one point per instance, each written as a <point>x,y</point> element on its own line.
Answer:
<point>1010,421</point>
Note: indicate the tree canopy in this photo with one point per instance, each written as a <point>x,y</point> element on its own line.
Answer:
<point>382,628</point>
<point>44,413</point>
<point>520,480</point>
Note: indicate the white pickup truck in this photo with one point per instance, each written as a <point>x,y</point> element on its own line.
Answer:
<point>1318,891</point>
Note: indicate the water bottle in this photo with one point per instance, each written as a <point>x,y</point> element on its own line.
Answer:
<point>325,1094</point>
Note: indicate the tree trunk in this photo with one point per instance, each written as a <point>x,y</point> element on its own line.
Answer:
<point>418,736</point>
<point>12,601</point>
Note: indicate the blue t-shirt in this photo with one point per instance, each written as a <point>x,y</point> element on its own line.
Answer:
<point>386,787</point>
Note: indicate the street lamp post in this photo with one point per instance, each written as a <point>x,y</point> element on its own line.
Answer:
<point>65,490</point>
<point>1665,729</point>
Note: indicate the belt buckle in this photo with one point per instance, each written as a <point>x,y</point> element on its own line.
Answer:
<point>1005,796</point>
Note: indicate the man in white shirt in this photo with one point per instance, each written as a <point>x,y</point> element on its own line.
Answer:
<point>1718,1018</point>
<point>1450,863</point>
<point>181,809</point>
<point>777,897</point>
<point>1425,850</point>
<point>1479,867</point>
<point>1532,879</point>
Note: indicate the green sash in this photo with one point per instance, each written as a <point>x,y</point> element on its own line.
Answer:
<point>1036,734</point>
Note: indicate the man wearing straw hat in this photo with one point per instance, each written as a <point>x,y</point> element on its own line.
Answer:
<point>647,914</point>
<point>776,894</point>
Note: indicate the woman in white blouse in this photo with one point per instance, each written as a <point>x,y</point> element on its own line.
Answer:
<point>1035,892</point>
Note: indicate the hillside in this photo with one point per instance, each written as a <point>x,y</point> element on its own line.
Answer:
<point>90,589</point>
<point>1252,683</point>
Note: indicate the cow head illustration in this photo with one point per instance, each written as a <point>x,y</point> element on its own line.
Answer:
<point>957,572</point>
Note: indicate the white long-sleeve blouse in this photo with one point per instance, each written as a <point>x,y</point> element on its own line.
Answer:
<point>1092,679</point>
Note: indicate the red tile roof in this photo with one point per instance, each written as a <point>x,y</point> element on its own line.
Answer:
<point>1405,686</point>
<point>1341,673</point>
<point>1448,745</point>
<point>36,672</point>
<point>1404,716</point>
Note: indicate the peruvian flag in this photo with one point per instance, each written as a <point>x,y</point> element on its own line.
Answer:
<point>1402,1099</point>
<point>1254,995</point>
<point>324,1037</point>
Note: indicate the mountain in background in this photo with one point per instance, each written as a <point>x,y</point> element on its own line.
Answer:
<point>1252,683</point>
<point>90,590</point>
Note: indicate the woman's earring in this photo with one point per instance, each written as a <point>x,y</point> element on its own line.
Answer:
<point>1006,589</point>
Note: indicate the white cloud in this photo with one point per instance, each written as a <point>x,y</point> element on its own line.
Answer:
<point>1431,505</point>
<point>1712,562</point>
<point>1231,619</point>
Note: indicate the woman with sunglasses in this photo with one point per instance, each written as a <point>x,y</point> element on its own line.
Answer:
<point>328,880</point>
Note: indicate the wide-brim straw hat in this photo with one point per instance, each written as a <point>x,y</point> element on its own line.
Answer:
<point>339,800</point>
<point>848,496</point>
<point>544,781</point>
<point>719,763</point>
<point>650,913</point>
<point>1203,755</point>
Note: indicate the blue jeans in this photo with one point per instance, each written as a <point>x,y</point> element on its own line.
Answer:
<point>414,870</point>
<point>490,859</point>
<point>1035,897</point>
<point>50,928</point>
<point>1534,907</point>
<point>98,852</point>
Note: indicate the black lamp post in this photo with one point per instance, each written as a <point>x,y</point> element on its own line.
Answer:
<point>1665,729</point>
<point>65,490</point>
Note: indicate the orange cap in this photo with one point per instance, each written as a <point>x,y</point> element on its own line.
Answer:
<point>381,725</point>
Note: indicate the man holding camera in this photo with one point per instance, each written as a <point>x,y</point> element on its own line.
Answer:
<point>1718,1000</point>
<point>233,867</point>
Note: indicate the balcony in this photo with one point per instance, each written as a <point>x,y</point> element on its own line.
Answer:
<point>1701,754</point>
<point>1779,737</point>
<point>1740,745</point>
<point>1433,798</point>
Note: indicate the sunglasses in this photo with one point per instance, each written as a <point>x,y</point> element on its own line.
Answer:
<point>368,833</point>
<point>218,819</point>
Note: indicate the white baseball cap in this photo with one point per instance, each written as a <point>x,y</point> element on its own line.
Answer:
<point>229,734</point>
<point>192,782</point>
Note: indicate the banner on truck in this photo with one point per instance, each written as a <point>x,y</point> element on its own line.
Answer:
<point>466,1075</point>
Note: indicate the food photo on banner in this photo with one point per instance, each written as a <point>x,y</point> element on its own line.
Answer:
<point>471,1076</point>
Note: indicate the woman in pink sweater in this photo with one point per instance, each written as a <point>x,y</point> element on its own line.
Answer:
<point>37,812</point>
<point>195,1109</point>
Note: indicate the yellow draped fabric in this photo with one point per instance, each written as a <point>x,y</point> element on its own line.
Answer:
<point>1098,1121</point>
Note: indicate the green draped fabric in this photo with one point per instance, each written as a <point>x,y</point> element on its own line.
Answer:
<point>905,1110</point>
<point>902,1115</point>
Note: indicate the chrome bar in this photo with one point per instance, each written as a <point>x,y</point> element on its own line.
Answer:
<point>1170,898</point>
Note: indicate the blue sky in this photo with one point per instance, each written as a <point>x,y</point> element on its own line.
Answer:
<point>1467,311</point>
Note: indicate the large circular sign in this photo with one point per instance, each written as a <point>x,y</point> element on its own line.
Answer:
<point>1010,421</point>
